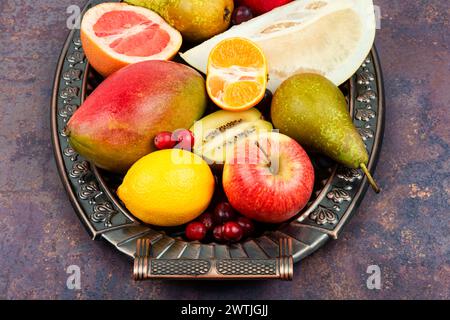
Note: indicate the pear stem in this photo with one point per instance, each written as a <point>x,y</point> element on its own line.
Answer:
<point>370,178</point>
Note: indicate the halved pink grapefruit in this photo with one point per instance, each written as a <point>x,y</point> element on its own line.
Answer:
<point>115,35</point>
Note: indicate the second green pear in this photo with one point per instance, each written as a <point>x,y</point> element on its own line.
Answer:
<point>312,110</point>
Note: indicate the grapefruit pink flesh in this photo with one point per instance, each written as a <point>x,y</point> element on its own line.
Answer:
<point>115,22</point>
<point>147,39</point>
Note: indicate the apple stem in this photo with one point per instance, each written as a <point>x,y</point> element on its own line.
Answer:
<point>264,153</point>
<point>370,178</point>
<point>269,161</point>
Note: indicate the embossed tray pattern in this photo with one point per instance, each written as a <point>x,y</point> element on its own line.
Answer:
<point>104,216</point>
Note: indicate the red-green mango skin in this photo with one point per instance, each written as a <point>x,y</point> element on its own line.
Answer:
<point>117,123</point>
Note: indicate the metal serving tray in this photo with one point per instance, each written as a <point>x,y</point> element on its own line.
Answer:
<point>338,190</point>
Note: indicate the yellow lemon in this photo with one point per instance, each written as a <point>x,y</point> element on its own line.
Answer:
<point>168,187</point>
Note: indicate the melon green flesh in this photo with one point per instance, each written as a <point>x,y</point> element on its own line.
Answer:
<point>222,147</point>
<point>215,123</point>
<point>217,134</point>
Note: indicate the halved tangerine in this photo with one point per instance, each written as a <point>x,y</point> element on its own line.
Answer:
<point>237,74</point>
<point>115,35</point>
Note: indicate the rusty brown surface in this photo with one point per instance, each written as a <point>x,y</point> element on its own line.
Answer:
<point>405,230</point>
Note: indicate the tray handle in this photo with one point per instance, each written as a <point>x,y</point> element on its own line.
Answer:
<point>146,267</point>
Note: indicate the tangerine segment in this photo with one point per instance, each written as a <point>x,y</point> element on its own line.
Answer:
<point>240,93</point>
<point>216,86</point>
<point>237,74</point>
<point>237,52</point>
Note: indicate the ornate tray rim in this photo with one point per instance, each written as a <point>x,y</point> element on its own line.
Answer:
<point>103,216</point>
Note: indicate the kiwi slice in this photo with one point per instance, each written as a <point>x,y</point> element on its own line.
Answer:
<point>217,134</point>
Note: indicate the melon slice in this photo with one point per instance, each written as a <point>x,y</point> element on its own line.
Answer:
<point>115,35</point>
<point>329,37</point>
<point>217,134</point>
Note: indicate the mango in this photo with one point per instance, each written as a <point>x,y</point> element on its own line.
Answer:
<point>117,123</point>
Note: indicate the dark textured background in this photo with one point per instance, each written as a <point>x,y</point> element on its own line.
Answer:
<point>405,230</point>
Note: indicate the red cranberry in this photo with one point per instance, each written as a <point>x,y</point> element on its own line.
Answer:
<point>184,139</point>
<point>223,212</point>
<point>163,140</point>
<point>207,220</point>
<point>218,233</point>
<point>195,231</point>
<point>247,225</point>
<point>232,231</point>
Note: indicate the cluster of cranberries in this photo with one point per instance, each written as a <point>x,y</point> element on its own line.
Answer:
<point>223,224</point>
<point>179,139</point>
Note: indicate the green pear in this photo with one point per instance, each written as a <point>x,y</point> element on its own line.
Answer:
<point>312,110</point>
<point>197,20</point>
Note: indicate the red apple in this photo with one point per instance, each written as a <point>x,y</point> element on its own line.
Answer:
<point>262,6</point>
<point>269,178</point>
